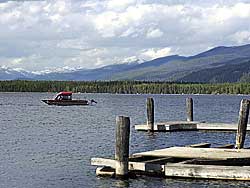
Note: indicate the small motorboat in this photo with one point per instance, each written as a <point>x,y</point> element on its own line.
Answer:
<point>64,98</point>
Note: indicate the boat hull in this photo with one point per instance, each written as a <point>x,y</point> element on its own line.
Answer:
<point>65,102</point>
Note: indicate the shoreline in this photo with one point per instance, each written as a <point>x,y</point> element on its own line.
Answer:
<point>130,94</point>
<point>126,87</point>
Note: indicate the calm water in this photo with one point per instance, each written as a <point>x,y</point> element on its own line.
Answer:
<point>50,146</point>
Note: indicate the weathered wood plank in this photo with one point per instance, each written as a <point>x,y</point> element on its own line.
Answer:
<point>207,171</point>
<point>170,126</point>
<point>226,146</point>
<point>225,162</point>
<point>122,145</point>
<point>103,162</point>
<point>194,168</point>
<point>162,160</point>
<point>205,153</point>
<point>146,167</point>
<point>105,171</point>
<point>157,127</point>
<point>183,126</point>
<point>150,114</point>
<point>242,123</point>
<point>200,145</point>
<point>217,126</point>
<point>189,105</point>
<point>186,126</point>
<point>142,166</point>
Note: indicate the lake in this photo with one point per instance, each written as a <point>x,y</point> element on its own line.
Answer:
<point>51,146</point>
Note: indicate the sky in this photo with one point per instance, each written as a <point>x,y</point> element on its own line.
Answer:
<point>39,35</point>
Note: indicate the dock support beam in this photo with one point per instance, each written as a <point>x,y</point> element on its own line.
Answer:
<point>189,106</point>
<point>150,114</point>
<point>122,146</point>
<point>242,123</point>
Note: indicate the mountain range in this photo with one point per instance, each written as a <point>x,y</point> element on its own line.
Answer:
<point>220,64</point>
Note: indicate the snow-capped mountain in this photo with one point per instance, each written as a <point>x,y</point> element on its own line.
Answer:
<point>220,64</point>
<point>13,74</point>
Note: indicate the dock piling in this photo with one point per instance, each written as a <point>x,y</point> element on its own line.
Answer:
<point>189,106</point>
<point>242,123</point>
<point>122,146</point>
<point>150,114</point>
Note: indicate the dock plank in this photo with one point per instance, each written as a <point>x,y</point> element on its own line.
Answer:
<point>207,171</point>
<point>205,153</point>
<point>173,126</point>
<point>170,126</point>
<point>200,145</point>
<point>141,166</point>
<point>217,126</point>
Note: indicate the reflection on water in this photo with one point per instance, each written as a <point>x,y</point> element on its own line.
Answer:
<point>51,146</point>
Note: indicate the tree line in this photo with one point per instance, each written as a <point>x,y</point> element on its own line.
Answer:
<point>124,87</point>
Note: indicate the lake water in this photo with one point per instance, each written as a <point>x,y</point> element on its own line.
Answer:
<point>51,146</point>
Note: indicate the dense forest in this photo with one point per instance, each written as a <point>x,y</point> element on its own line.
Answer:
<point>124,87</point>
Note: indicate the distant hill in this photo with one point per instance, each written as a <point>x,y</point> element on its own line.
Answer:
<point>177,69</point>
<point>239,72</point>
<point>109,72</point>
<point>103,73</point>
<point>220,64</point>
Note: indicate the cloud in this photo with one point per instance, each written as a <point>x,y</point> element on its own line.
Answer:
<point>51,34</point>
<point>155,53</point>
<point>120,5</point>
<point>155,33</point>
<point>241,37</point>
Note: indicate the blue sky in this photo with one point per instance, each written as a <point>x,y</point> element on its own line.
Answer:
<point>40,35</point>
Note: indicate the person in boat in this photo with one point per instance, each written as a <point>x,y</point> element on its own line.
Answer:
<point>93,101</point>
<point>58,98</point>
<point>64,96</point>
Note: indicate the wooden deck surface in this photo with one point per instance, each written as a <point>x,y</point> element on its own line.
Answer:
<point>173,126</point>
<point>185,162</point>
<point>204,153</point>
<point>207,171</point>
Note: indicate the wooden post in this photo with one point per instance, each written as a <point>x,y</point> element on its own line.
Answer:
<point>242,123</point>
<point>122,146</point>
<point>150,114</point>
<point>189,105</point>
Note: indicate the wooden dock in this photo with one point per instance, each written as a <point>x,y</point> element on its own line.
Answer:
<point>202,153</point>
<point>188,162</point>
<point>174,126</point>
<point>229,162</point>
<point>188,125</point>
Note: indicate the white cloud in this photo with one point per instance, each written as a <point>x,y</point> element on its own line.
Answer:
<point>99,62</point>
<point>241,37</point>
<point>17,61</point>
<point>120,5</point>
<point>93,33</point>
<point>155,33</point>
<point>130,59</point>
<point>155,53</point>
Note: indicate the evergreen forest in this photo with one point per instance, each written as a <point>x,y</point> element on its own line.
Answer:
<point>124,87</point>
